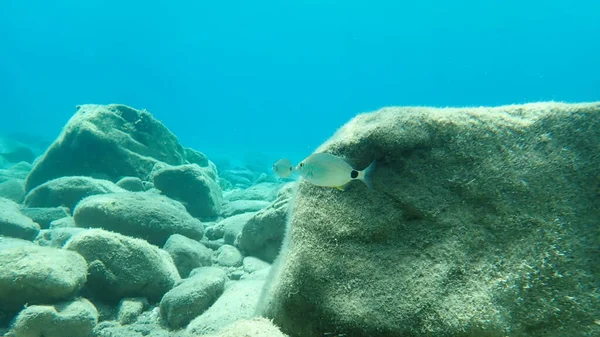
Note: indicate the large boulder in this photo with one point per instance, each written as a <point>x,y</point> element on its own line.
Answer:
<point>111,141</point>
<point>141,214</point>
<point>120,266</point>
<point>194,186</point>
<point>482,222</point>
<point>30,274</point>
<point>68,191</point>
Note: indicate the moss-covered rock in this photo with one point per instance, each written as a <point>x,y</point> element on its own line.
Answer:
<point>144,215</point>
<point>187,254</point>
<point>482,222</point>
<point>262,235</point>
<point>67,319</point>
<point>14,224</point>
<point>192,185</point>
<point>237,302</point>
<point>193,296</point>
<point>68,191</point>
<point>110,141</point>
<point>120,266</point>
<point>30,274</point>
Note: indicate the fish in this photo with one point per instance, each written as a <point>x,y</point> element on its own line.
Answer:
<point>283,168</point>
<point>328,170</point>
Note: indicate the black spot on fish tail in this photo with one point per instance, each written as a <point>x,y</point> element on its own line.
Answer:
<point>354,174</point>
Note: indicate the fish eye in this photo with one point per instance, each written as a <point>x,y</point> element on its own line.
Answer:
<point>301,164</point>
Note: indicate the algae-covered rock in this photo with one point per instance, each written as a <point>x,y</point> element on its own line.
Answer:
<point>193,296</point>
<point>193,186</point>
<point>30,274</point>
<point>120,266</point>
<point>130,309</point>
<point>66,222</point>
<point>262,235</point>
<point>68,319</point>
<point>237,302</point>
<point>187,254</point>
<point>482,222</point>
<point>252,264</point>
<point>143,215</point>
<point>56,237</point>
<point>231,227</point>
<point>44,215</point>
<point>107,140</point>
<point>14,224</point>
<point>13,189</point>
<point>228,256</point>
<point>132,184</point>
<point>196,157</point>
<point>68,191</point>
<point>147,324</point>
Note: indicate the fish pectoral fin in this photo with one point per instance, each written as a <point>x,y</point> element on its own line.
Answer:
<point>341,188</point>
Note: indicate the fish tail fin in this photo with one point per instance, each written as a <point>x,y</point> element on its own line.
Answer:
<point>366,174</point>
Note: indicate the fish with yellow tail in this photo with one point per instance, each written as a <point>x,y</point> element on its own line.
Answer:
<point>327,170</point>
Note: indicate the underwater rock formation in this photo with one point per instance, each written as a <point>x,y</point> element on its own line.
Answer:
<point>187,254</point>
<point>192,296</point>
<point>30,274</point>
<point>143,215</point>
<point>76,318</point>
<point>195,187</point>
<point>112,141</point>
<point>120,266</point>
<point>44,216</point>
<point>482,222</point>
<point>68,191</point>
<point>237,302</point>
<point>14,224</point>
<point>118,169</point>
<point>263,233</point>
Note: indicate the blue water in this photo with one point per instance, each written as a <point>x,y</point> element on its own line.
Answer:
<point>237,78</point>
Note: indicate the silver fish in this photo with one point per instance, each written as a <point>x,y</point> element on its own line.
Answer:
<point>325,169</point>
<point>283,168</point>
